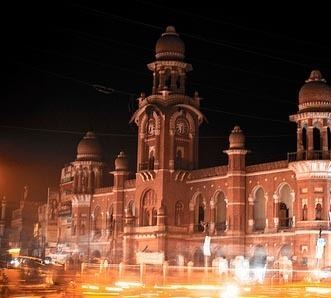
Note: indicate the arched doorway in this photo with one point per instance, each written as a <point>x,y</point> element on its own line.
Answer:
<point>259,258</point>
<point>286,251</point>
<point>259,210</point>
<point>198,258</point>
<point>148,208</point>
<point>285,208</point>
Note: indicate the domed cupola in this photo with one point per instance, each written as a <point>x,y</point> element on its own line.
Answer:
<point>121,162</point>
<point>169,46</point>
<point>89,148</point>
<point>237,138</point>
<point>315,94</point>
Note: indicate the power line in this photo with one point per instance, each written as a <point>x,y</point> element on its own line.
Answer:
<point>132,94</point>
<point>75,132</point>
<point>192,36</point>
<point>235,25</point>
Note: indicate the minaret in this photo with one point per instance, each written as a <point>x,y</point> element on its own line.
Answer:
<point>236,181</point>
<point>168,120</point>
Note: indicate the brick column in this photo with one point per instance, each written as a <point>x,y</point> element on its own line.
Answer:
<point>310,142</point>
<point>250,214</point>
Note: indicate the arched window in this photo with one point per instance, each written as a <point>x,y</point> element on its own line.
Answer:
<point>220,212</point>
<point>97,221</point>
<point>148,204</point>
<point>317,139</point>
<point>304,212</point>
<point>179,158</point>
<point>304,138</point>
<point>154,217</point>
<point>82,228</point>
<point>318,212</point>
<point>73,231</point>
<point>151,160</point>
<point>131,208</point>
<point>199,213</point>
<point>110,219</point>
<point>259,210</point>
<point>179,212</point>
<point>285,207</point>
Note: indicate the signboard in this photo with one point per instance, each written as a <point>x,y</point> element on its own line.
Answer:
<point>65,209</point>
<point>206,246</point>
<point>52,206</point>
<point>154,258</point>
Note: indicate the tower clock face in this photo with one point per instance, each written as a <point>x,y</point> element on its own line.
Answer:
<point>181,127</point>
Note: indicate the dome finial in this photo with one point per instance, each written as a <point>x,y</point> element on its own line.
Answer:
<point>121,162</point>
<point>315,76</point>
<point>171,29</point>
<point>237,138</point>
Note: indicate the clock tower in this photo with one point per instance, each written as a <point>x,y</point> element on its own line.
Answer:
<point>168,120</point>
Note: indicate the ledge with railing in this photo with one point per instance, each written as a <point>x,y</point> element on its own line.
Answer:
<point>308,155</point>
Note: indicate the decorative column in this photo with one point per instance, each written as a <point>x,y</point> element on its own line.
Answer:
<point>300,148</point>
<point>173,83</point>
<point>90,181</point>
<point>276,210</point>
<point>324,143</point>
<point>191,217</point>
<point>171,153</point>
<point>161,80</point>
<point>212,216</point>
<point>157,149</point>
<point>191,151</point>
<point>141,144</point>
<point>250,214</point>
<point>310,142</point>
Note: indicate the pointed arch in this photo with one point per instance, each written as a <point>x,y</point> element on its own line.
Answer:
<point>318,211</point>
<point>220,211</point>
<point>147,205</point>
<point>285,207</point>
<point>179,213</point>
<point>259,209</point>
<point>97,215</point>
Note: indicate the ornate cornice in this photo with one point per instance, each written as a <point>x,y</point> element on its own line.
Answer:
<point>311,169</point>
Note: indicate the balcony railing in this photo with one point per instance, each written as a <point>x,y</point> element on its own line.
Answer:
<point>146,166</point>
<point>286,223</point>
<point>308,155</point>
<point>220,226</point>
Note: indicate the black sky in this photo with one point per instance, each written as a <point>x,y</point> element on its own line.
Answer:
<point>249,64</point>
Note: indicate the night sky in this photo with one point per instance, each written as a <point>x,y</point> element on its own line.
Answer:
<point>249,65</point>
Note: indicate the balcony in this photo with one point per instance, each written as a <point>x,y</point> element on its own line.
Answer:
<point>308,155</point>
<point>285,223</point>
<point>220,226</point>
<point>146,166</point>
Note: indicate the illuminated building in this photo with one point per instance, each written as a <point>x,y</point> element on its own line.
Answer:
<point>268,210</point>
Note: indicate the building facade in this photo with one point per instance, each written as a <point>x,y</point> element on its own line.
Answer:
<point>267,210</point>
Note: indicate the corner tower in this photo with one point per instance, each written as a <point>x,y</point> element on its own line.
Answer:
<point>168,120</point>
<point>313,119</point>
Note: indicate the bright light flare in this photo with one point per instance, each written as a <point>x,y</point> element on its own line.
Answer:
<point>230,291</point>
<point>318,290</point>
<point>113,289</point>
<point>128,284</point>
